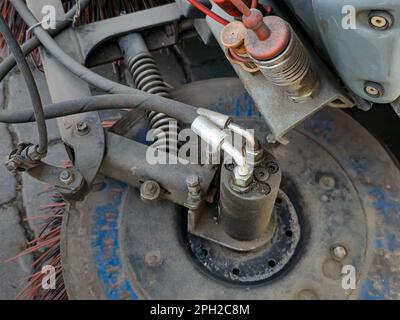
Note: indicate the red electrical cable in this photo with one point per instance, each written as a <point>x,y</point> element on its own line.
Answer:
<point>237,57</point>
<point>208,12</point>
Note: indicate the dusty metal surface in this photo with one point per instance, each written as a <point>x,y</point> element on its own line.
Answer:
<point>331,216</point>
<point>360,51</point>
<point>126,160</point>
<point>349,190</point>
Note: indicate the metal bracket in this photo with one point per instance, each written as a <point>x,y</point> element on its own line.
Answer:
<point>23,158</point>
<point>126,160</point>
<point>88,148</point>
<point>69,182</point>
<point>396,106</point>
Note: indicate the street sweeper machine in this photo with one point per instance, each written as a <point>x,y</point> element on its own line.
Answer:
<point>253,186</point>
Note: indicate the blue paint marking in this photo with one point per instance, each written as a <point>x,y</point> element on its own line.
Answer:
<point>106,247</point>
<point>238,106</point>
<point>384,204</point>
<point>388,210</point>
<point>392,242</point>
<point>321,127</point>
<point>379,243</point>
<point>370,292</point>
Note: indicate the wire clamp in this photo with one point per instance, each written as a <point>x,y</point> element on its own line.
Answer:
<point>24,158</point>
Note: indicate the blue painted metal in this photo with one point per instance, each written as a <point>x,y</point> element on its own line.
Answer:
<point>378,281</point>
<point>106,245</point>
<point>360,54</point>
<point>370,170</point>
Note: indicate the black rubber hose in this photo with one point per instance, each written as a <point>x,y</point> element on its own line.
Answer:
<point>9,63</point>
<point>30,84</point>
<point>180,111</point>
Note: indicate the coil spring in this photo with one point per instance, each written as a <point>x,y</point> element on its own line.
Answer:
<point>292,70</point>
<point>147,77</point>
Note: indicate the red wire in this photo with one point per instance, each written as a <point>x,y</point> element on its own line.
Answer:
<point>239,58</point>
<point>254,4</point>
<point>208,12</point>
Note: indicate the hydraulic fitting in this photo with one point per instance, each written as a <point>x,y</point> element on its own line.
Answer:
<point>209,132</point>
<point>254,152</point>
<point>221,120</point>
<point>214,136</point>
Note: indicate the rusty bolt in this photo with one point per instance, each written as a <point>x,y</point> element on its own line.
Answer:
<point>327,183</point>
<point>232,36</point>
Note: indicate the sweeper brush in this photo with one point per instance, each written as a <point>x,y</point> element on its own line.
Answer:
<point>95,11</point>
<point>212,147</point>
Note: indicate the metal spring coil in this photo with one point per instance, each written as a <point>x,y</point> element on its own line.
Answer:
<point>147,77</point>
<point>291,70</point>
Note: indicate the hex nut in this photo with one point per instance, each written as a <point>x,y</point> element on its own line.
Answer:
<point>82,128</point>
<point>254,156</point>
<point>241,180</point>
<point>193,181</point>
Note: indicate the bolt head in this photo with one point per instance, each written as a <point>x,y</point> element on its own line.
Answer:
<point>327,183</point>
<point>261,174</point>
<point>11,166</point>
<point>241,178</point>
<point>33,154</point>
<point>339,252</point>
<point>66,177</point>
<point>380,20</point>
<point>373,89</point>
<point>153,259</point>
<point>82,127</point>
<point>150,191</point>
<point>193,181</point>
